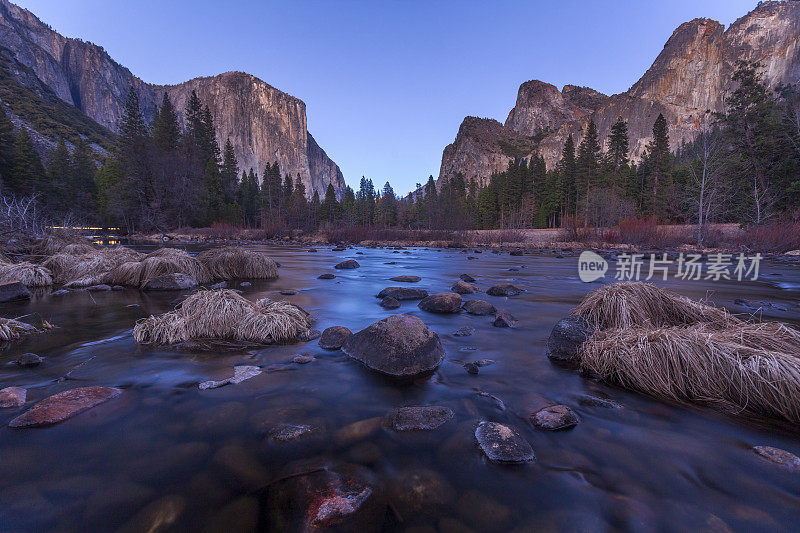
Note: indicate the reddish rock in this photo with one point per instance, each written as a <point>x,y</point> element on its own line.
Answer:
<point>64,405</point>
<point>333,337</point>
<point>443,302</point>
<point>12,397</point>
<point>406,279</point>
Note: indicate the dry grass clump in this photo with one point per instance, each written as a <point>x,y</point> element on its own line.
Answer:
<point>224,315</point>
<point>627,304</point>
<point>231,262</point>
<point>158,263</point>
<point>29,274</point>
<point>12,330</point>
<point>91,267</point>
<point>745,368</point>
<point>55,242</point>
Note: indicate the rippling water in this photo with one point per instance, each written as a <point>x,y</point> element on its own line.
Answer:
<point>198,458</point>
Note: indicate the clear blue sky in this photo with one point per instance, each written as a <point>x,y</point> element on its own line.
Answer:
<point>387,83</point>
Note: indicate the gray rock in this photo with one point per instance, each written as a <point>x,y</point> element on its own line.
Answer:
<point>303,359</point>
<point>28,360</point>
<point>333,337</point>
<point>503,444</point>
<point>220,285</point>
<point>390,303</point>
<point>309,335</point>
<point>400,345</point>
<point>12,397</point>
<point>240,374</point>
<point>12,291</point>
<point>780,457</point>
<point>472,368</point>
<point>403,293</point>
<point>245,284</point>
<point>288,292</point>
<point>555,417</point>
<point>63,405</point>
<point>464,331</point>
<point>291,432</point>
<point>566,338</point>
<point>406,279</point>
<point>479,308</point>
<point>418,418</point>
<point>117,288</point>
<point>467,278</point>
<point>504,319</point>
<point>59,292</point>
<point>462,287</point>
<point>347,265</point>
<point>326,276</point>
<point>443,302</point>
<point>171,282</point>
<point>99,288</point>
<point>504,289</point>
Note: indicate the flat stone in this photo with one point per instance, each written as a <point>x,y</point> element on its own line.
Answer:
<point>400,345</point>
<point>504,289</point>
<point>566,338</point>
<point>333,337</point>
<point>309,335</point>
<point>288,292</point>
<point>464,331</point>
<point>28,360</point>
<point>12,291</point>
<point>99,288</point>
<point>467,278</point>
<point>406,279</point>
<point>390,303</point>
<point>64,405</point>
<point>303,359</point>
<point>245,284</point>
<point>555,417</point>
<point>59,292</point>
<point>780,457</point>
<point>12,397</point>
<point>240,374</point>
<point>403,293</point>
<point>503,444</point>
<point>443,302</point>
<point>326,276</point>
<point>220,285</point>
<point>290,432</point>
<point>171,282</point>
<point>479,308</point>
<point>418,418</point>
<point>504,319</point>
<point>462,287</point>
<point>594,401</point>
<point>347,265</point>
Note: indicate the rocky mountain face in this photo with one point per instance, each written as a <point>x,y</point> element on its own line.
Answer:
<point>263,124</point>
<point>687,83</point>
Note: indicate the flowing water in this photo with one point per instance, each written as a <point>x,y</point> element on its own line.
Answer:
<point>166,452</point>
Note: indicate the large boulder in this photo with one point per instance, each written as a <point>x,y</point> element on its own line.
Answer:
<point>171,282</point>
<point>333,337</point>
<point>403,293</point>
<point>64,405</point>
<point>462,287</point>
<point>443,302</point>
<point>504,289</point>
<point>566,338</point>
<point>11,291</point>
<point>347,265</point>
<point>400,345</point>
<point>479,308</point>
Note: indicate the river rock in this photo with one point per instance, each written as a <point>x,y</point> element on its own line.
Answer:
<point>472,368</point>
<point>218,286</point>
<point>418,418</point>
<point>566,338</point>
<point>245,284</point>
<point>462,287</point>
<point>326,276</point>
<point>443,302</point>
<point>171,282</point>
<point>309,334</point>
<point>502,444</point>
<point>467,278</point>
<point>357,431</point>
<point>555,417</point>
<point>240,374</point>
<point>464,331</point>
<point>338,249</point>
<point>479,308</point>
<point>347,265</point>
<point>302,359</point>
<point>403,293</point>
<point>406,279</point>
<point>12,397</point>
<point>99,288</point>
<point>291,432</point>
<point>390,303</point>
<point>780,457</point>
<point>288,292</point>
<point>28,360</point>
<point>504,319</point>
<point>504,289</point>
<point>64,405</point>
<point>11,291</point>
<point>400,345</point>
<point>333,337</point>
<point>60,292</point>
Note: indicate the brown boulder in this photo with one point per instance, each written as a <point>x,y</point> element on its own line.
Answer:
<point>443,302</point>
<point>333,337</point>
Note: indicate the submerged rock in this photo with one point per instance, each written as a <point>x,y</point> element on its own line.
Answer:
<point>59,292</point>
<point>504,319</point>
<point>502,444</point>
<point>400,345</point>
<point>11,291</point>
<point>406,279</point>
<point>779,457</point>
<point>218,286</point>
<point>347,265</point>
<point>326,276</point>
<point>464,331</point>
<point>291,432</point>
<point>28,360</point>
<point>288,292</point>
<point>240,373</point>
<point>403,293</point>
<point>420,492</point>
<point>333,337</point>
<point>555,417</point>
<point>418,418</point>
<point>171,282</point>
<point>462,287</point>
<point>12,397</point>
<point>504,289</point>
<point>472,368</point>
<point>467,278</point>
<point>390,303</point>
<point>64,405</point>
<point>303,359</point>
<point>99,288</point>
<point>479,308</point>
<point>309,335</point>
<point>566,339</point>
<point>443,302</point>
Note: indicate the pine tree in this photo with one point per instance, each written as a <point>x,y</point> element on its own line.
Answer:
<point>618,149</point>
<point>660,165</point>
<point>59,195</point>
<point>330,207</point>
<point>588,165</point>
<point>229,173</point>
<point>389,206</point>
<point>166,131</point>
<point>27,173</point>
<point>568,168</point>
<point>6,146</point>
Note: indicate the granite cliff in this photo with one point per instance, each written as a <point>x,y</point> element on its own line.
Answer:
<point>263,123</point>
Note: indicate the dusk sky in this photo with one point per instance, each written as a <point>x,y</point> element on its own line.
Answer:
<point>387,83</point>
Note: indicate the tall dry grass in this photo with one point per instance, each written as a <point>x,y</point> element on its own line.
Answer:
<point>233,262</point>
<point>29,274</point>
<point>158,263</point>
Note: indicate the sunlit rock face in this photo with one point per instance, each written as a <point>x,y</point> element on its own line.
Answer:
<point>263,124</point>
<point>687,83</point>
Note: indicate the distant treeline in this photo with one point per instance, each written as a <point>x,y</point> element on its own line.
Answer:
<point>744,167</point>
